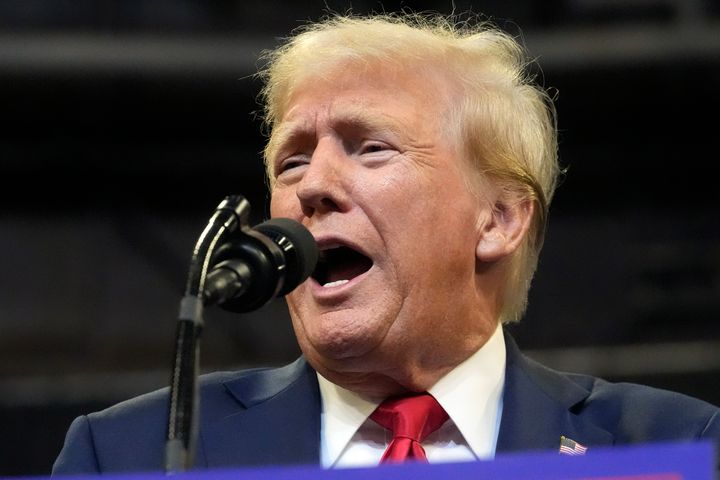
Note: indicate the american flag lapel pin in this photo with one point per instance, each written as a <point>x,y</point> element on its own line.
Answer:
<point>568,446</point>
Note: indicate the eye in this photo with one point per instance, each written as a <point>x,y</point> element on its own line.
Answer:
<point>375,153</point>
<point>291,164</point>
<point>374,147</point>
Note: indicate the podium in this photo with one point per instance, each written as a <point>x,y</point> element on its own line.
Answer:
<point>662,461</point>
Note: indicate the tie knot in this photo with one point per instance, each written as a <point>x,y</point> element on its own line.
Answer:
<point>413,417</point>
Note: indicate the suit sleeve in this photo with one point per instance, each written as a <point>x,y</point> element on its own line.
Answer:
<point>78,453</point>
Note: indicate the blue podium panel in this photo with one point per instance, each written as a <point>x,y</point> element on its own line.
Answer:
<point>671,461</point>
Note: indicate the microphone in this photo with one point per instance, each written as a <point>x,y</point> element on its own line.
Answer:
<point>241,269</point>
<point>255,265</point>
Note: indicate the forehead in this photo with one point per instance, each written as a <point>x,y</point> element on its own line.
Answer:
<point>365,97</point>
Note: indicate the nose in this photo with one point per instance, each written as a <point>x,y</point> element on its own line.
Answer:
<point>322,188</point>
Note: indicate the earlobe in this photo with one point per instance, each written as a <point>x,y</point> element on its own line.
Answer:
<point>503,230</point>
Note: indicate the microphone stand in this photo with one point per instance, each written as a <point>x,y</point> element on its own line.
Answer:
<point>231,213</point>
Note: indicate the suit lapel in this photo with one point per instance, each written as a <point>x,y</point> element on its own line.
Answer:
<point>275,417</point>
<point>276,420</point>
<point>540,405</point>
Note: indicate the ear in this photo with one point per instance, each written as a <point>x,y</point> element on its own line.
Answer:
<point>504,229</point>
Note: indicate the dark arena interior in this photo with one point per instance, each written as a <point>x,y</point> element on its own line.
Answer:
<point>125,122</point>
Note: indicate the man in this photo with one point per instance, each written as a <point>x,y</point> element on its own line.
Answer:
<point>422,159</point>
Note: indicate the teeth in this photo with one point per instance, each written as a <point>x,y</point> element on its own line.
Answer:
<point>336,283</point>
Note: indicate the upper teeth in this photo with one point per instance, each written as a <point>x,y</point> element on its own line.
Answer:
<point>336,283</point>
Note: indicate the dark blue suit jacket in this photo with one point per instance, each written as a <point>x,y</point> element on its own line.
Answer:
<point>272,416</point>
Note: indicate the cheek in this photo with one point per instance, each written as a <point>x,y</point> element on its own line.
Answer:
<point>281,203</point>
<point>299,310</point>
<point>390,195</point>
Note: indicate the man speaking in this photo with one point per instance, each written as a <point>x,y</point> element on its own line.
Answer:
<point>422,158</point>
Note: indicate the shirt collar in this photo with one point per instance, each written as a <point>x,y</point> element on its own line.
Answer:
<point>471,394</point>
<point>343,411</point>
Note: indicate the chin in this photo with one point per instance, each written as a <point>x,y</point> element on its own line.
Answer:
<point>340,347</point>
<point>340,334</point>
<point>371,384</point>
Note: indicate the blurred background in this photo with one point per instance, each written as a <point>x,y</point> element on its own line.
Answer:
<point>124,123</point>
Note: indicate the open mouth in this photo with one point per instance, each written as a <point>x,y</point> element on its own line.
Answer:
<point>337,266</point>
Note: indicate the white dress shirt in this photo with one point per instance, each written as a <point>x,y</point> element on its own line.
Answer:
<point>471,394</point>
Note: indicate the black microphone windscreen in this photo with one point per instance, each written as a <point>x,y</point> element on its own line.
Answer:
<point>298,245</point>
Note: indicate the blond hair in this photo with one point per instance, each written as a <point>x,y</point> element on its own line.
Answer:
<point>504,122</point>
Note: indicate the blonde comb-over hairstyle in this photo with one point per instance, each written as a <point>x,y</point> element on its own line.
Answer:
<point>503,121</point>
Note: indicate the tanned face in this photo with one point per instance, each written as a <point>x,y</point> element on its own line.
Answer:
<point>365,161</point>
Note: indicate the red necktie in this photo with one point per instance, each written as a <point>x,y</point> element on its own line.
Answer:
<point>410,419</point>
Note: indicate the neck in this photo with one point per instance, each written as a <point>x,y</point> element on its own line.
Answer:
<point>397,375</point>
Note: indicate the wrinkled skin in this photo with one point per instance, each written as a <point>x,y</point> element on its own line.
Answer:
<point>366,161</point>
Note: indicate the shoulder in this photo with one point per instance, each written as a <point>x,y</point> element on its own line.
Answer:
<point>216,390</point>
<point>631,413</point>
<point>146,409</point>
<point>130,435</point>
<point>639,412</point>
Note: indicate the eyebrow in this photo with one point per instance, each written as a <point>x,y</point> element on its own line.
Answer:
<point>349,118</point>
<point>358,117</point>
